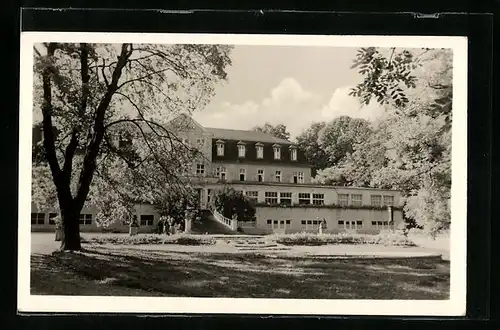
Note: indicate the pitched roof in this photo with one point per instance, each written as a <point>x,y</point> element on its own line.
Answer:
<point>241,135</point>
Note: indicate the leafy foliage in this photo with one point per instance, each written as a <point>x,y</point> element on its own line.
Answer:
<point>410,150</point>
<point>148,239</point>
<point>105,110</point>
<point>308,143</point>
<point>228,202</point>
<point>279,131</point>
<point>339,136</point>
<point>309,239</point>
<point>384,77</point>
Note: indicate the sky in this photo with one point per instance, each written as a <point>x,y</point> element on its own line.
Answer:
<point>289,85</point>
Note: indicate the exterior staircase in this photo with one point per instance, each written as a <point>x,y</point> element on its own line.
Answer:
<point>208,225</point>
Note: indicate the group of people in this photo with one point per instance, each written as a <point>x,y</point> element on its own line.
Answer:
<point>167,226</point>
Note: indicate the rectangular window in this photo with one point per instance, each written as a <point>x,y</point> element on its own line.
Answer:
<point>286,198</point>
<point>388,200</point>
<point>270,224</point>
<point>277,153</point>
<point>350,224</point>
<point>220,172</point>
<point>293,154</point>
<point>309,224</point>
<point>295,177</point>
<point>147,219</point>
<point>304,198</point>
<point>37,218</point>
<point>318,199</point>
<point>343,199</point>
<point>271,197</point>
<point>242,174</point>
<point>300,177</point>
<point>241,151</point>
<point>288,224</point>
<point>260,175</point>
<point>356,199</point>
<point>52,218</point>
<point>260,152</point>
<point>200,142</point>
<point>278,176</point>
<point>220,149</point>
<point>282,224</point>
<point>380,224</point>
<point>376,200</point>
<point>252,195</point>
<point>85,219</point>
<point>200,169</point>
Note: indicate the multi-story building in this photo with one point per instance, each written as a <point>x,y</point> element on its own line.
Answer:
<point>275,174</point>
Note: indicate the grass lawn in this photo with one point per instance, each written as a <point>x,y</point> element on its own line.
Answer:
<point>132,271</point>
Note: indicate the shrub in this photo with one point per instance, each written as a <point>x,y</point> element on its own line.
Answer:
<point>148,239</point>
<point>228,201</point>
<point>309,239</point>
<point>189,240</point>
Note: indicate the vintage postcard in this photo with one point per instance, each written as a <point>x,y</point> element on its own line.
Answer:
<point>247,174</point>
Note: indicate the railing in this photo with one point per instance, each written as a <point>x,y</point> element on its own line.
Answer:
<point>229,223</point>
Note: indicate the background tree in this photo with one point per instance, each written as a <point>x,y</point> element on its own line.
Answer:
<point>417,87</point>
<point>89,92</point>
<point>308,143</point>
<point>278,131</point>
<point>339,136</point>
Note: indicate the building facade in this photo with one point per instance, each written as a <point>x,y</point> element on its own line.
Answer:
<point>275,175</point>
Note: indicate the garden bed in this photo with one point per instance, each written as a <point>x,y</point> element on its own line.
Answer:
<point>387,239</point>
<point>181,239</point>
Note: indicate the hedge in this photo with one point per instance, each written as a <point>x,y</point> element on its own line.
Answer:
<point>310,239</point>
<point>181,239</point>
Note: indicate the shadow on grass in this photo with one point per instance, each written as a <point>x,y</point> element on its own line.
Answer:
<point>99,271</point>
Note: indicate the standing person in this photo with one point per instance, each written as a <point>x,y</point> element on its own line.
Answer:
<point>323,226</point>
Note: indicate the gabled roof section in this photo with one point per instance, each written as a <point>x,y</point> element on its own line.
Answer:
<point>241,135</point>
<point>183,121</point>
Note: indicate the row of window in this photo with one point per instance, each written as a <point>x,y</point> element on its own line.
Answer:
<point>279,224</point>
<point>272,197</point>
<point>314,224</point>
<point>39,219</point>
<point>242,150</point>
<point>221,173</point>
<point>357,200</point>
<point>85,219</point>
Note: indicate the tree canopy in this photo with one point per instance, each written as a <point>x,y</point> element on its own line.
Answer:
<point>94,97</point>
<point>279,131</point>
<point>410,150</point>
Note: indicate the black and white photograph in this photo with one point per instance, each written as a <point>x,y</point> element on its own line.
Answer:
<point>271,174</point>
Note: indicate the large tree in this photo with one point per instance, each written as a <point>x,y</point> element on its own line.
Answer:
<point>308,143</point>
<point>339,136</point>
<point>416,86</point>
<point>90,93</point>
<point>279,131</point>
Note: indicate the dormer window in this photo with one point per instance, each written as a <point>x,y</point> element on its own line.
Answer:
<point>260,150</point>
<point>220,147</point>
<point>241,149</point>
<point>293,153</point>
<point>277,151</point>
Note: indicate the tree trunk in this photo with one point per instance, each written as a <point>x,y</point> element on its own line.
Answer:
<point>71,229</point>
